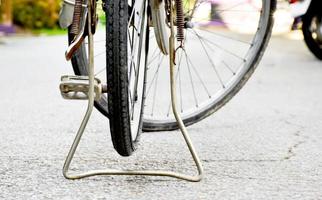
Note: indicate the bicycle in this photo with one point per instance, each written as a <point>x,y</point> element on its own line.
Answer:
<point>231,36</point>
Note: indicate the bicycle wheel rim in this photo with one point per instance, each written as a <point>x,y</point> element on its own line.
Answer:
<point>79,66</point>
<point>231,87</point>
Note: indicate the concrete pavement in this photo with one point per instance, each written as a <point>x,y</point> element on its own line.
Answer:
<point>264,144</point>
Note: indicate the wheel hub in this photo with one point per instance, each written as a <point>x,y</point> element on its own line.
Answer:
<point>188,25</point>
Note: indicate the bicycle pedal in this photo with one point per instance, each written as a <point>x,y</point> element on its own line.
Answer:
<point>77,87</point>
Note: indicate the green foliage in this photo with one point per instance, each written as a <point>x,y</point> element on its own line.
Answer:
<point>36,14</point>
<point>101,15</point>
<point>50,32</point>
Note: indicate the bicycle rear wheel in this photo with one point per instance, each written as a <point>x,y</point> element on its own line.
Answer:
<point>234,33</point>
<point>223,43</point>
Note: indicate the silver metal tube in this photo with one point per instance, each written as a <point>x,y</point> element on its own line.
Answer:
<point>91,97</point>
<point>89,111</point>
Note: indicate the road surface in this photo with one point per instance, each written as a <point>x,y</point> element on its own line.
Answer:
<point>264,144</point>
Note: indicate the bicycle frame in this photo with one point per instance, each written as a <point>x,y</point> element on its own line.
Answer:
<point>91,97</point>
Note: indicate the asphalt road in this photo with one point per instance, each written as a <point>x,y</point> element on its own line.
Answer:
<point>264,144</point>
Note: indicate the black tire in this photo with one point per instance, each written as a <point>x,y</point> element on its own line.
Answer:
<point>314,45</point>
<point>124,133</point>
<point>115,105</point>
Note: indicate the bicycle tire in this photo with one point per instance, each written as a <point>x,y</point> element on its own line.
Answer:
<point>165,125</point>
<point>124,130</point>
<point>125,79</point>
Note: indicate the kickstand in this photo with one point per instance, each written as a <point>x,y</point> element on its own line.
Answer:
<point>91,95</point>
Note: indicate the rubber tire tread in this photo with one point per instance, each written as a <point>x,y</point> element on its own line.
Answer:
<point>117,76</point>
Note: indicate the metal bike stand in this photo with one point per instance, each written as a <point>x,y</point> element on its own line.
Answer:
<point>91,98</point>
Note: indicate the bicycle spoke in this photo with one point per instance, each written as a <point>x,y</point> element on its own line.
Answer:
<point>217,11</point>
<point>133,52</point>
<point>99,54</point>
<point>155,74</point>
<point>207,20</point>
<point>129,38</point>
<point>211,61</point>
<point>222,61</point>
<point>191,81</point>
<point>198,75</point>
<point>154,93</point>
<point>100,71</point>
<point>216,45</point>
<point>228,67</point>
<point>97,41</point>
<point>131,17</point>
<point>226,37</point>
<point>153,58</point>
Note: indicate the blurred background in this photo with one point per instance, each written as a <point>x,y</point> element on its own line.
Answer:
<point>266,143</point>
<point>41,16</point>
<point>23,18</point>
<point>28,16</point>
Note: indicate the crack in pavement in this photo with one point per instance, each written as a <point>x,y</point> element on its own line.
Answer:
<point>291,150</point>
<point>300,139</point>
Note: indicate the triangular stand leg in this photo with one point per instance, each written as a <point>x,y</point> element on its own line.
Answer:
<point>80,132</point>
